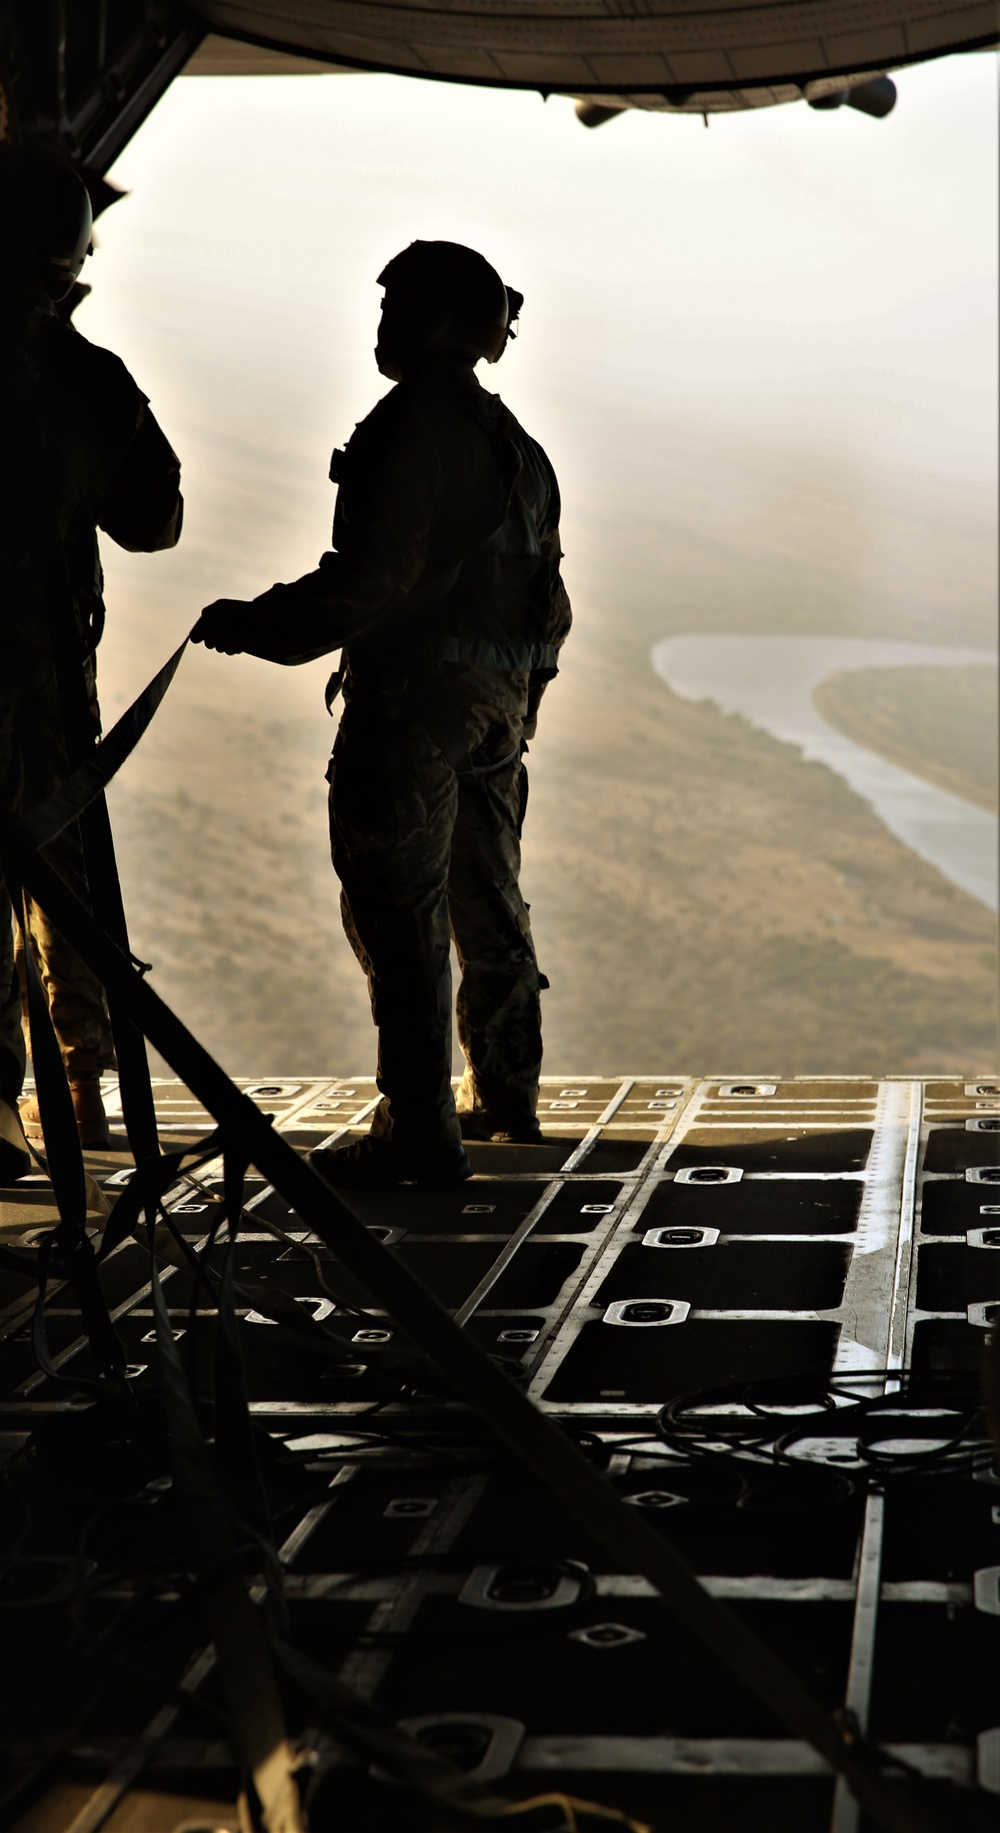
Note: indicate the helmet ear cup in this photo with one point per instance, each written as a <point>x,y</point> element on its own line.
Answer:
<point>46,218</point>
<point>515,301</point>
<point>62,271</point>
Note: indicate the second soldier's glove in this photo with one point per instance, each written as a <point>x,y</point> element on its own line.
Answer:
<point>226,625</point>
<point>281,626</point>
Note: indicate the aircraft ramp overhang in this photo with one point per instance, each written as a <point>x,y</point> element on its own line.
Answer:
<point>655,54</point>
<point>814,1264</point>
<point>88,75</point>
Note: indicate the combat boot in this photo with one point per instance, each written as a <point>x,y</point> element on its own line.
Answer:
<point>379,1164</point>
<point>15,1159</point>
<point>524,1131</point>
<point>91,1120</point>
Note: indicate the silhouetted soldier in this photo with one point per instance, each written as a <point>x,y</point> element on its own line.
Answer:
<point>444,593</point>
<point>80,451</point>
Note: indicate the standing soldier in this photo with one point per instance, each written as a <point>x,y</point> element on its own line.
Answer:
<point>444,594</point>
<point>80,451</point>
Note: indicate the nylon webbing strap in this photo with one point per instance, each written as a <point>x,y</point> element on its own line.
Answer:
<point>148,1184</point>
<point>635,1546</point>
<point>91,778</point>
<point>242,1647</point>
<point>236,1625</point>
<point>294,1326</point>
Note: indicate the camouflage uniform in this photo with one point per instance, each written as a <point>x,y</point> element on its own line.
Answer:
<point>444,591</point>
<point>81,450</point>
<point>425,853</point>
<point>75,996</point>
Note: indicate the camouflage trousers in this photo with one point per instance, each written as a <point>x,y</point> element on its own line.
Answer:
<point>75,996</point>
<point>426,853</point>
<point>32,763</point>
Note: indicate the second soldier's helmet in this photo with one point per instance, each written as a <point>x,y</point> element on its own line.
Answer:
<point>46,219</point>
<point>451,299</point>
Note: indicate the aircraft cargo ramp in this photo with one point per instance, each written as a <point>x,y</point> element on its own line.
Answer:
<point>758,1307</point>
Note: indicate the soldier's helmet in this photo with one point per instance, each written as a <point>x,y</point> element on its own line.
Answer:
<point>46,220</point>
<point>443,296</point>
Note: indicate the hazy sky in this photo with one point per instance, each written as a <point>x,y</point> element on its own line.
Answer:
<point>820,276</point>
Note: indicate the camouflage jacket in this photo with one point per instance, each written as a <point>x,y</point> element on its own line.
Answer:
<point>445,543</point>
<point>80,451</point>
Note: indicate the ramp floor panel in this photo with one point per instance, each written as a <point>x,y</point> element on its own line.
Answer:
<point>681,1275</point>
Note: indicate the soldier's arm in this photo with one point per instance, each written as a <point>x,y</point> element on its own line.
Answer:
<point>141,506</point>
<point>560,612</point>
<point>127,473</point>
<point>383,531</point>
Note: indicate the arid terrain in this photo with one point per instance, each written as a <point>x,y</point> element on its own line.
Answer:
<point>702,898</point>
<point>742,906</point>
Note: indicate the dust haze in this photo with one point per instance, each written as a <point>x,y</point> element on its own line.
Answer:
<point>762,360</point>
